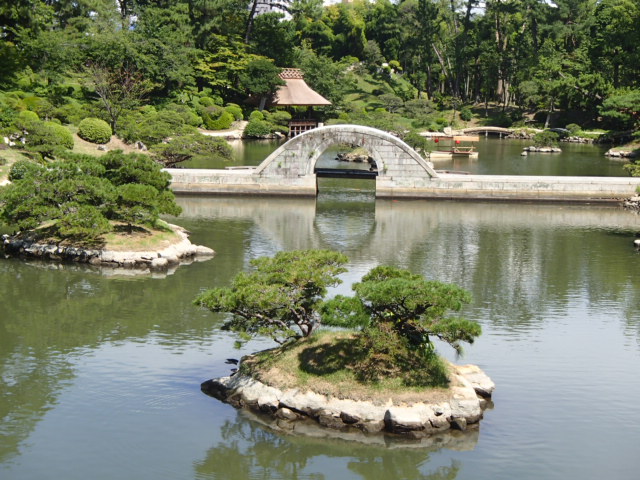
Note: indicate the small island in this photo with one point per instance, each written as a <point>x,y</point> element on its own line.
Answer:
<point>97,210</point>
<point>374,368</point>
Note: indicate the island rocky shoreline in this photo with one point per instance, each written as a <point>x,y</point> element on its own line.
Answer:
<point>469,395</point>
<point>153,260</point>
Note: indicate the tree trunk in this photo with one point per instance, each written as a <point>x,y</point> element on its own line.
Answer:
<point>249,29</point>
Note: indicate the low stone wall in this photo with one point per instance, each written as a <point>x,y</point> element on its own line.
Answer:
<point>239,182</point>
<point>513,187</point>
<point>445,186</point>
<point>148,260</point>
<point>470,392</point>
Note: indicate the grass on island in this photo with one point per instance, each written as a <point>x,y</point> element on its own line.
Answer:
<point>140,239</point>
<point>323,363</point>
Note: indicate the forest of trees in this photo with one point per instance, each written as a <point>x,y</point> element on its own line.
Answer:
<point>129,62</point>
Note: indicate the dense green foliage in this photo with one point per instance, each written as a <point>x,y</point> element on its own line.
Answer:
<point>194,146</point>
<point>392,65</point>
<point>94,130</point>
<point>46,138</point>
<point>280,297</point>
<point>389,298</point>
<point>546,138</point>
<point>398,313</point>
<point>82,196</point>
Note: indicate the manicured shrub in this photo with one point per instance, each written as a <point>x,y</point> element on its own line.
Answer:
<point>257,129</point>
<point>94,130</point>
<point>210,115</point>
<point>256,115</point>
<point>206,101</point>
<point>280,117</point>
<point>152,128</point>
<point>223,122</point>
<point>466,114</point>
<point>7,116</point>
<point>234,110</point>
<point>574,129</point>
<point>25,119</point>
<point>194,146</point>
<point>188,115</point>
<point>64,138</point>
<point>47,138</point>
<point>546,138</point>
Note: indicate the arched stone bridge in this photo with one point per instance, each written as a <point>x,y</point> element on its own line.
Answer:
<point>298,157</point>
<point>401,173</point>
<point>498,130</point>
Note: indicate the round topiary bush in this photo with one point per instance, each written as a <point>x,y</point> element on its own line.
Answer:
<point>280,117</point>
<point>210,115</point>
<point>61,134</point>
<point>234,110</point>
<point>223,122</point>
<point>25,119</point>
<point>94,130</point>
<point>465,114</point>
<point>546,138</point>
<point>257,129</point>
<point>256,115</point>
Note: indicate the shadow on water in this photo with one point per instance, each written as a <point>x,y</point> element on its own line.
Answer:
<point>250,451</point>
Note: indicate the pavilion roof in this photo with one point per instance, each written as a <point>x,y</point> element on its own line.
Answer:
<point>296,91</point>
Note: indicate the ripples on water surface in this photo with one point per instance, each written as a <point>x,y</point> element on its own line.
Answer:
<point>99,375</point>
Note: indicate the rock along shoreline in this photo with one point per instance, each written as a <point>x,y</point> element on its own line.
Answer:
<point>470,394</point>
<point>159,260</point>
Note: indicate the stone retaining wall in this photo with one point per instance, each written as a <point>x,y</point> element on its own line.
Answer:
<point>148,260</point>
<point>470,187</point>
<point>470,392</point>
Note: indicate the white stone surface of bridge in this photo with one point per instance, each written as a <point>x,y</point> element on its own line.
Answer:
<point>402,172</point>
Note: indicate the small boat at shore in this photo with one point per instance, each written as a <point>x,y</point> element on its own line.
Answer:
<point>455,146</point>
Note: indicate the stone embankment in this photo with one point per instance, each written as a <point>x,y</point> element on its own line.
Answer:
<point>148,260</point>
<point>574,139</point>
<point>467,397</point>
<point>541,150</point>
<point>617,153</point>
<point>632,203</point>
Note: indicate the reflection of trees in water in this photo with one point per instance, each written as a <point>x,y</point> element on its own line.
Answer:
<point>30,383</point>
<point>522,262</point>
<point>248,450</point>
<point>48,314</point>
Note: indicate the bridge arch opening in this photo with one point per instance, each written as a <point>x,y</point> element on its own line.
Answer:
<point>393,159</point>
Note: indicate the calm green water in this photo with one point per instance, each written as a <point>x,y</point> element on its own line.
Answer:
<point>100,373</point>
<point>495,157</point>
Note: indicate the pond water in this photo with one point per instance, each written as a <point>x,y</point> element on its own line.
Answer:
<point>100,373</point>
<point>495,157</point>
